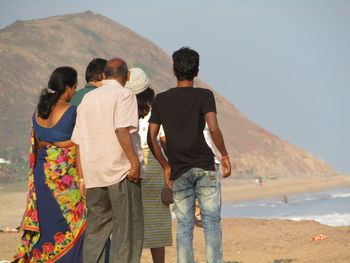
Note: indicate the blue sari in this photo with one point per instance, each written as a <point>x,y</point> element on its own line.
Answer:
<point>55,219</point>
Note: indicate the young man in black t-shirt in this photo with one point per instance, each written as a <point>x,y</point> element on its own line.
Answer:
<point>190,168</point>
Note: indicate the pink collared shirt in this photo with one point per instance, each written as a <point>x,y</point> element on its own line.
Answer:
<point>100,113</point>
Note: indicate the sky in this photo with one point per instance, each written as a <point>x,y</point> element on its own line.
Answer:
<point>285,64</point>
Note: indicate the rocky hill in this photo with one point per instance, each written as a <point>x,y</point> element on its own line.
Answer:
<point>30,50</point>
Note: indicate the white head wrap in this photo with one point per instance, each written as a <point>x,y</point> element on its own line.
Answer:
<point>138,81</point>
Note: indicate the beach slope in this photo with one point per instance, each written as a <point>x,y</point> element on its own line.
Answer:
<point>255,241</point>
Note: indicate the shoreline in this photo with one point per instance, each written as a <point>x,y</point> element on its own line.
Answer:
<point>236,190</point>
<point>12,203</point>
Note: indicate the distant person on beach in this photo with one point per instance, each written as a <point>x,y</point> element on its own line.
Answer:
<point>93,76</point>
<point>259,181</point>
<point>55,219</point>
<point>157,216</point>
<point>183,111</point>
<point>111,162</point>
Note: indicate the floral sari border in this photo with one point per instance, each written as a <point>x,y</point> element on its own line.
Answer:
<point>62,179</point>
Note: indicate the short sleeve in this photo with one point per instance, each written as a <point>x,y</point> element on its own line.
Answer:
<point>155,117</point>
<point>126,112</point>
<point>208,103</point>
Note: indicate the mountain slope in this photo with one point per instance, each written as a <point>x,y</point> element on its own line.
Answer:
<point>30,50</point>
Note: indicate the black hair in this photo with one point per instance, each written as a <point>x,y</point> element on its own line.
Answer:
<point>144,101</point>
<point>117,72</point>
<point>185,63</point>
<point>95,69</point>
<point>60,78</point>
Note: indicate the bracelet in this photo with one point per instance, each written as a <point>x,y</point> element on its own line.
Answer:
<point>223,157</point>
<point>81,180</point>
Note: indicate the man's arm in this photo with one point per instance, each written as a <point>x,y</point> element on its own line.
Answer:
<point>163,144</point>
<point>218,140</point>
<point>153,131</point>
<point>82,186</point>
<point>124,139</point>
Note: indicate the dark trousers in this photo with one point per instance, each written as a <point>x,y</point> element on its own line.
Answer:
<point>115,209</point>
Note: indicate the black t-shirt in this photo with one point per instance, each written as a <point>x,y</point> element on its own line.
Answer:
<point>181,111</point>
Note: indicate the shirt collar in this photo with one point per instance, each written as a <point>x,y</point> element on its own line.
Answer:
<point>90,86</point>
<point>111,82</point>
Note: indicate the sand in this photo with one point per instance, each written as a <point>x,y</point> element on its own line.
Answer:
<point>256,241</point>
<point>244,240</point>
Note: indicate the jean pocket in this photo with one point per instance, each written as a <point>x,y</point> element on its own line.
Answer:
<point>207,182</point>
<point>179,195</point>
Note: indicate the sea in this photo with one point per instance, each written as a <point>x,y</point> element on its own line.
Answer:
<point>331,207</point>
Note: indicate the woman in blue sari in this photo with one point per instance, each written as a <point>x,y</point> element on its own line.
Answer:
<point>54,221</point>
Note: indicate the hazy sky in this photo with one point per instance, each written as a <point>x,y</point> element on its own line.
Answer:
<point>285,64</point>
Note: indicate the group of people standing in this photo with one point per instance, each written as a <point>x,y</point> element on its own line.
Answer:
<point>101,156</point>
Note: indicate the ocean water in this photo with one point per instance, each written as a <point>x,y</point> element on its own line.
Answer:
<point>331,207</point>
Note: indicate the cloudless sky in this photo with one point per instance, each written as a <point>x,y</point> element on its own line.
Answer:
<point>284,63</point>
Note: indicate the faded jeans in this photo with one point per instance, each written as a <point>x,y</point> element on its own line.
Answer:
<point>205,186</point>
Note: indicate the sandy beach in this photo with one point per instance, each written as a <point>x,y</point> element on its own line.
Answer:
<point>244,240</point>
<point>12,203</point>
<point>256,241</point>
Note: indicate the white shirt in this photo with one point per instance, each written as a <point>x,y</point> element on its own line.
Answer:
<point>210,143</point>
<point>100,113</point>
<point>143,129</point>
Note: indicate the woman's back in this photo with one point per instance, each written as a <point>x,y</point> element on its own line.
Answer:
<point>58,127</point>
<point>55,216</point>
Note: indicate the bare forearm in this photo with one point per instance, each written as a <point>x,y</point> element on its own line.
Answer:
<point>82,186</point>
<point>164,146</point>
<point>220,145</point>
<point>218,140</point>
<point>152,135</point>
<point>215,132</point>
<point>80,170</point>
<point>154,146</point>
<point>157,152</point>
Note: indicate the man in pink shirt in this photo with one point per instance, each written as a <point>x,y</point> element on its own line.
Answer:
<point>111,160</point>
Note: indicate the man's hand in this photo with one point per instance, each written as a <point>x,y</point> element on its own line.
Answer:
<point>226,166</point>
<point>82,188</point>
<point>126,143</point>
<point>218,140</point>
<point>134,173</point>
<point>169,182</point>
<point>153,131</point>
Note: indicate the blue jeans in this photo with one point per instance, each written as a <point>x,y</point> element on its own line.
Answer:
<point>205,186</point>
